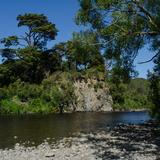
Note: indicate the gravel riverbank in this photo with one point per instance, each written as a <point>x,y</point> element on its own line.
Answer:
<point>127,142</point>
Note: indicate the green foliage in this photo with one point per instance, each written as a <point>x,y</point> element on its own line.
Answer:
<point>154,94</point>
<point>49,97</point>
<point>40,30</point>
<point>78,55</point>
<point>26,57</point>
<point>131,96</point>
<point>117,92</point>
<point>8,106</point>
<point>94,73</point>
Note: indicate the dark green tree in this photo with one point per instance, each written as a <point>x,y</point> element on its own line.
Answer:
<point>39,31</point>
<point>77,55</point>
<point>124,25</point>
<point>26,57</point>
<point>154,93</point>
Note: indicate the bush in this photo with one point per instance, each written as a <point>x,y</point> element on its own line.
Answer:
<point>131,96</point>
<point>49,97</point>
<point>8,106</point>
<point>154,94</point>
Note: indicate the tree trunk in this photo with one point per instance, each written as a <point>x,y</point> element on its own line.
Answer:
<point>61,109</point>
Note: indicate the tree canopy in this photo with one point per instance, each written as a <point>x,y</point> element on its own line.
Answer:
<point>39,31</point>
<point>123,25</point>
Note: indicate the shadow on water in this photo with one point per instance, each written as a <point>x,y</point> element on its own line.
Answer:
<point>36,128</point>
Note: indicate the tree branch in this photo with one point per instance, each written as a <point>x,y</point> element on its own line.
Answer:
<point>147,33</point>
<point>150,59</point>
<point>147,13</point>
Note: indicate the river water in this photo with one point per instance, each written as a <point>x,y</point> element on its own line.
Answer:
<point>36,128</point>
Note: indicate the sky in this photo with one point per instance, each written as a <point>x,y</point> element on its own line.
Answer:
<point>60,12</point>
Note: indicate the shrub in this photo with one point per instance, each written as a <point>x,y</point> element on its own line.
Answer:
<point>48,97</point>
<point>8,106</point>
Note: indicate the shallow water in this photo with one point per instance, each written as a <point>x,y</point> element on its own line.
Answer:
<point>36,128</point>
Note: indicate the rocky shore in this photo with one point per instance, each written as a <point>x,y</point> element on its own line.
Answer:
<point>121,142</point>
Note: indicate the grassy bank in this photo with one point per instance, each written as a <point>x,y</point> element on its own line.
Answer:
<point>48,97</point>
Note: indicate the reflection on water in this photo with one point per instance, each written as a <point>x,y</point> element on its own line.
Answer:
<point>37,128</point>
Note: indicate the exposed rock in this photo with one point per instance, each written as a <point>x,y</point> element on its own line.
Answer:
<point>49,154</point>
<point>85,92</point>
<point>92,95</point>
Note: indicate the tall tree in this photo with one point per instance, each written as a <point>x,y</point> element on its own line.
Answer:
<point>125,25</point>
<point>154,94</point>
<point>39,31</point>
<point>77,54</point>
<point>27,57</point>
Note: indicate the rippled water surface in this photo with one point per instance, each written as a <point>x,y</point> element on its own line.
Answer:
<point>36,128</point>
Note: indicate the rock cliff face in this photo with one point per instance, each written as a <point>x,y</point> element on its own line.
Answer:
<point>92,95</point>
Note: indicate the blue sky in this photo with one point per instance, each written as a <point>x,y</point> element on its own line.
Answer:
<point>61,12</point>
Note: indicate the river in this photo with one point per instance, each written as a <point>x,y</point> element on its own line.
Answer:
<point>34,129</point>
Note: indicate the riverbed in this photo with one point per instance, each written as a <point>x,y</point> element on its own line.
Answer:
<point>80,136</point>
<point>32,130</point>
